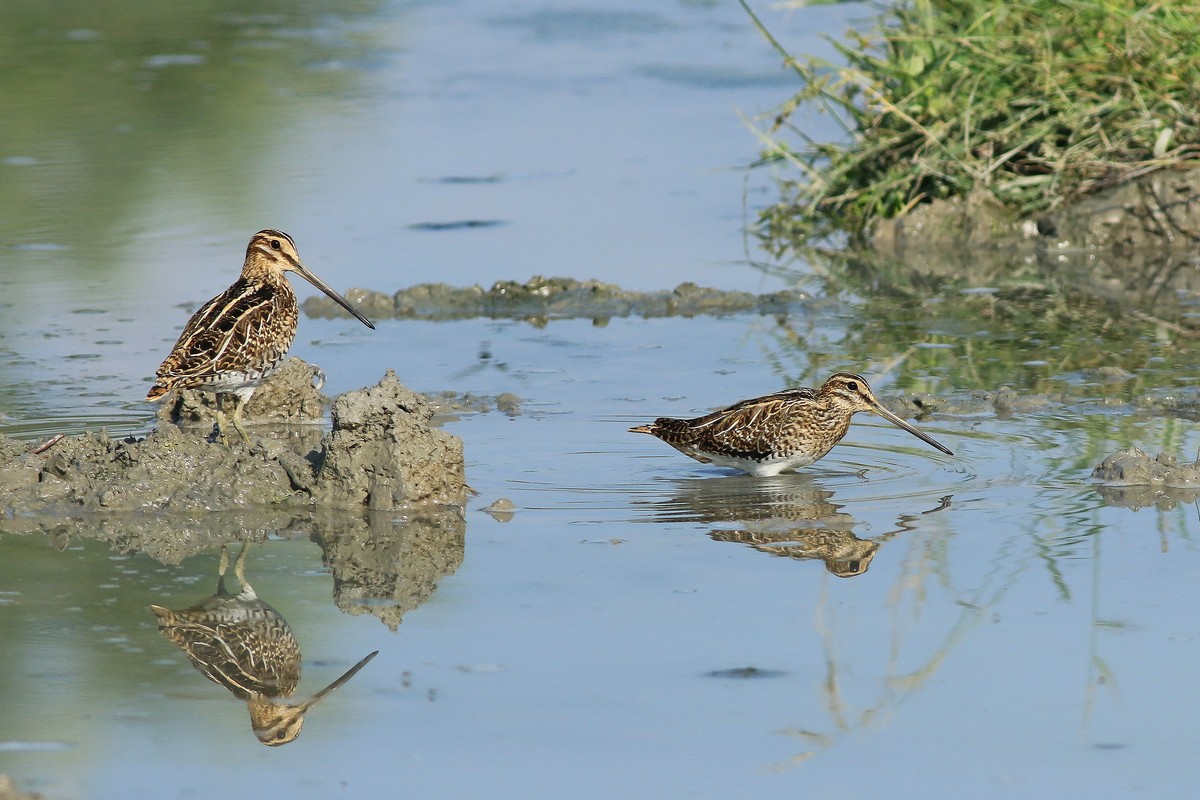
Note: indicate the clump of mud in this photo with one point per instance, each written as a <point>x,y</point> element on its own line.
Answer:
<point>1133,478</point>
<point>168,469</point>
<point>382,453</point>
<point>541,299</point>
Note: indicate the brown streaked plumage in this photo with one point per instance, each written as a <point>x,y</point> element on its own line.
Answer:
<point>241,336</point>
<point>243,644</point>
<point>844,554</point>
<point>782,431</point>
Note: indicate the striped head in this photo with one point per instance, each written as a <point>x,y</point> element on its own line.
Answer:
<point>271,253</point>
<point>276,723</point>
<point>851,392</point>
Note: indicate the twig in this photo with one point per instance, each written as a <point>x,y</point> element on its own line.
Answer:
<point>46,445</point>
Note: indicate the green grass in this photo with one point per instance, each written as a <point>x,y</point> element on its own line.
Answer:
<point>1035,102</point>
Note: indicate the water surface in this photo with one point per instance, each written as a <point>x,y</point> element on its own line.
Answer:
<point>644,625</point>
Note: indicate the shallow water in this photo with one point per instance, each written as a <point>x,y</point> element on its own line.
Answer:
<point>643,625</point>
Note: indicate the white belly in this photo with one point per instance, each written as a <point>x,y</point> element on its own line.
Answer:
<point>762,469</point>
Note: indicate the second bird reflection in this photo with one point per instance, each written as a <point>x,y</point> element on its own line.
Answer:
<point>845,555</point>
<point>243,644</point>
<point>790,516</point>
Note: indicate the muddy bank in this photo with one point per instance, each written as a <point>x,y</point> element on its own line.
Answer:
<point>1130,248</point>
<point>541,299</point>
<point>382,453</point>
<point>1155,211</point>
<point>1007,402</point>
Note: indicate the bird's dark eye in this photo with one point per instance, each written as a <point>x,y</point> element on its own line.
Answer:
<point>275,244</point>
<point>852,386</point>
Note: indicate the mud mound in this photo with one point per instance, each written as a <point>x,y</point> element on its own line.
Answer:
<point>168,469</point>
<point>382,453</point>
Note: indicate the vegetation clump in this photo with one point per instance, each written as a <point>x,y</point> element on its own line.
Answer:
<point>1036,103</point>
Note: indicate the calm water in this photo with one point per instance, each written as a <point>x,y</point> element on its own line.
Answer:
<point>633,630</point>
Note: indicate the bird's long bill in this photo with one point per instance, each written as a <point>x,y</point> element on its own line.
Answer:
<point>350,673</point>
<point>304,272</point>
<point>899,423</point>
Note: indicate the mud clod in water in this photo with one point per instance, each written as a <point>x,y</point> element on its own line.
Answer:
<point>502,510</point>
<point>1132,478</point>
<point>509,403</point>
<point>540,299</point>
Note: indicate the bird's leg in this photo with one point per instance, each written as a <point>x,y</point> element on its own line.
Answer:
<point>239,569</point>
<point>222,565</point>
<point>221,426</point>
<point>237,416</point>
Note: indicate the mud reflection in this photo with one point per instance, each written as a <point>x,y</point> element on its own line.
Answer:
<point>168,539</point>
<point>387,569</point>
<point>770,509</point>
<point>242,643</point>
<point>382,563</point>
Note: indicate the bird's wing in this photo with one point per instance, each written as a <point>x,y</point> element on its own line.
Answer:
<point>748,429</point>
<point>220,337</point>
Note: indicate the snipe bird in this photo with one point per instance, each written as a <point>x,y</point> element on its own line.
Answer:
<point>782,431</point>
<point>237,339</point>
<point>242,643</point>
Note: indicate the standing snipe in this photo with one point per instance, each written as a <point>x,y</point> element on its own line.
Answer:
<point>243,644</point>
<point>786,430</point>
<point>241,336</point>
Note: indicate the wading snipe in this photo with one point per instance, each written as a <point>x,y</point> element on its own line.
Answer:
<point>241,336</point>
<point>786,430</point>
<point>243,644</point>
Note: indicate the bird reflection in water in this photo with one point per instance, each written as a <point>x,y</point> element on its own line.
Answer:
<point>845,555</point>
<point>243,644</point>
